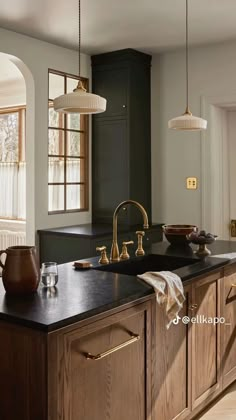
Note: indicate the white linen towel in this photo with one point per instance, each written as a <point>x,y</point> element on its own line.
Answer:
<point>169,291</point>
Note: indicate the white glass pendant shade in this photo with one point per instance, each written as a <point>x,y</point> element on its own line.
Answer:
<point>187,122</point>
<point>80,101</point>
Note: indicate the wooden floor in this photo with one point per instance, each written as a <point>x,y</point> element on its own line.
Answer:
<point>223,409</point>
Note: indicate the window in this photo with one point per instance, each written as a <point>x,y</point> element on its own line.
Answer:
<point>67,151</point>
<point>12,163</point>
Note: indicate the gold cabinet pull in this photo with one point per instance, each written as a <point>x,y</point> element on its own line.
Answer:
<point>233,285</point>
<point>133,339</point>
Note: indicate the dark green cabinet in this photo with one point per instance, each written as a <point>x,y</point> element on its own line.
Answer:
<point>62,246</point>
<point>111,174</point>
<point>112,84</point>
<point>121,147</point>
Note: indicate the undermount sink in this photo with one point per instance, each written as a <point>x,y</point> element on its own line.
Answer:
<point>151,262</point>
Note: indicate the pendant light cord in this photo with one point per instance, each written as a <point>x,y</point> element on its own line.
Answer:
<point>79,34</point>
<point>187,50</point>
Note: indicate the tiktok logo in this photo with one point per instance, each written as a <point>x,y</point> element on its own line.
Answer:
<point>176,320</point>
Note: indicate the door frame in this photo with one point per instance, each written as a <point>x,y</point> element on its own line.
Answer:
<point>215,196</point>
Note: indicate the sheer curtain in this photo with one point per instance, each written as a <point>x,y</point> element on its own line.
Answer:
<point>13,190</point>
<point>56,192</point>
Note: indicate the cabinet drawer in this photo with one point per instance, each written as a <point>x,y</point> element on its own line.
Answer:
<point>103,368</point>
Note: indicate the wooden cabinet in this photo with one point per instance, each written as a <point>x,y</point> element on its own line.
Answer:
<point>121,149</point>
<point>228,329</point>
<point>172,373</point>
<point>53,376</point>
<point>206,378</point>
<point>110,168</point>
<point>188,375</point>
<point>113,84</point>
<point>114,387</point>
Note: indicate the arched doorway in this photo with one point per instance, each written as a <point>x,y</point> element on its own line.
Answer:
<point>19,183</point>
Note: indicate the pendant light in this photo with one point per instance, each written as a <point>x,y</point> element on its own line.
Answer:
<point>80,101</point>
<point>187,121</point>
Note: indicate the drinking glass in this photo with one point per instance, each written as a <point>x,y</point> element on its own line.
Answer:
<point>49,274</point>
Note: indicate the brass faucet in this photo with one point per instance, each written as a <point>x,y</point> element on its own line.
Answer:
<point>115,255</point>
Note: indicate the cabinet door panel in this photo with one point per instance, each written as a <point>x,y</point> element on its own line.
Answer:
<point>113,387</point>
<point>228,330</point>
<point>112,84</point>
<point>63,249</point>
<point>206,340</point>
<point>110,168</point>
<point>172,390</point>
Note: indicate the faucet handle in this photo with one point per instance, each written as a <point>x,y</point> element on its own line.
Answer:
<point>103,250</point>
<point>124,253</point>
<point>140,251</point>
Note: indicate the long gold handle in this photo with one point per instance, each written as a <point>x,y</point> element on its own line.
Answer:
<point>134,338</point>
<point>233,285</point>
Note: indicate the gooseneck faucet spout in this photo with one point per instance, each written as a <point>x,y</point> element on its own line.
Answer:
<point>115,255</point>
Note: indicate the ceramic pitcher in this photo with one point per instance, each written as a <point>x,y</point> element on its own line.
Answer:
<point>20,273</point>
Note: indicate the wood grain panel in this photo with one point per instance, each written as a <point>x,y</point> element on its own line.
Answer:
<point>172,391</point>
<point>116,387</point>
<point>206,341</point>
<point>228,330</point>
<point>23,386</point>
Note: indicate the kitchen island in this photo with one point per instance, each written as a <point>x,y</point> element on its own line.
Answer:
<point>96,347</point>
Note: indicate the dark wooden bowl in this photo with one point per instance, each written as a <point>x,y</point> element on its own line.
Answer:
<point>178,234</point>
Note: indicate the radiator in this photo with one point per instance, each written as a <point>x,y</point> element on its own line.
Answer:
<point>9,238</point>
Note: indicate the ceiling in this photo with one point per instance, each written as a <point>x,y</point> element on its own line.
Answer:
<point>148,25</point>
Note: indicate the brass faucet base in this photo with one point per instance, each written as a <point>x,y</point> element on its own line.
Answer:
<point>140,251</point>
<point>103,259</point>
<point>124,254</point>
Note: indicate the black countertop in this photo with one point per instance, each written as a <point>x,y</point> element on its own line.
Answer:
<point>78,295</point>
<point>93,230</point>
<point>82,294</point>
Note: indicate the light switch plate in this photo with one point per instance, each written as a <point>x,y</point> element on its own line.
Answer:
<point>191,183</point>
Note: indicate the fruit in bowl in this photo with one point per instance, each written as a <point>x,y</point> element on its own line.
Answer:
<point>202,237</point>
<point>179,234</point>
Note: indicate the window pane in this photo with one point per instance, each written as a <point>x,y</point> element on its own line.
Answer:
<point>73,121</point>
<point>56,85</point>
<point>55,197</point>
<point>74,170</point>
<point>55,142</point>
<point>75,197</point>
<point>55,119</point>
<point>75,144</point>
<point>55,170</point>
<point>71,84</point>
<point>9,137</point>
